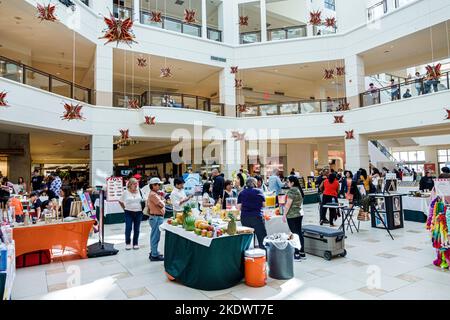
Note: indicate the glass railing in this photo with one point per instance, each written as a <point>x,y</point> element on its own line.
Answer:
<point>86,2</point>
<point>294,107</point>
<point>250,37</point>
<point>377,10</point>
<point>16,71</point>
<point>383,150</point>
<point>177,25</point>
<point>122,12</point>
<point>274,34</point>
<point>408,89</point>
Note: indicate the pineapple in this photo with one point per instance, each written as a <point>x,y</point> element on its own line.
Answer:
<point>231,230</point>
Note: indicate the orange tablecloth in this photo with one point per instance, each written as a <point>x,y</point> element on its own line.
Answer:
<point>71,235</point>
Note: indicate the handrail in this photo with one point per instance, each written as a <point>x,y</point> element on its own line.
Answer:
<point>269,32</point>
<point>383,150</point>
<point>21,76</point>
<point>405,90</point>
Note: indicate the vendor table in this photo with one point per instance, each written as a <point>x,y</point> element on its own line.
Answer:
<point>204,263</point>
<point>416,208</point>
<point>114,213</point>
<point>311,197</point>
<point>73,235</point>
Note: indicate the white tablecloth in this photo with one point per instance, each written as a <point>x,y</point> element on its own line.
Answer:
<point>417,204</point>
<point>110,207</point>
<point>275,225</point>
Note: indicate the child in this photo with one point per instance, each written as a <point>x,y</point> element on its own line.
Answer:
<point>51,207</point>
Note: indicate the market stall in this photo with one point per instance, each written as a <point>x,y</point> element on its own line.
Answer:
<point>416,208</point>
<point>205,260</point>
<point>311,196</point>
<point>60,235</point>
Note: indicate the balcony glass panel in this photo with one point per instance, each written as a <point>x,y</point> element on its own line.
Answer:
<point>293,33</point>
<point>310,107</point>
<point>172,25</point>
<point>61,88</point>
<point>279,34</point>
<point>81,94</point>
<point>10,71</point>
<point>251,112</point>
<point>146,19</point>
<point>215,35</point>
<point>250,37</point>
<point>193,30</point>
<point>268,110</point>
<point>289,108</point>
<point>190,102</point>
<point>203,104</point>
<point>36,79</point>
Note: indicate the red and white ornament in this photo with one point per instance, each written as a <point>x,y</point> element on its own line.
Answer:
<point>242,108</point>
<point>150,120</point>
<point>46,12</point>
<point>118,30</point>
<point>3,102</point>
<point>344,106</point>
<point>315,18</point>
<point>134,104</point>
<point>243,20</point>
<point>328,74</point>
<point>156,17</point>
<point>349,135</point>
<point>434,72</point>
<point>330,22</point>
<point>340,71</point>
<point>142,62</point>
<point>189,16</point>
<point>72,112</point>
<point>234,69</point>
<point>165,72</point>
<point>238,83</point>
<point>338,119</point>
<point>448,114</point>
<point>125,134</point>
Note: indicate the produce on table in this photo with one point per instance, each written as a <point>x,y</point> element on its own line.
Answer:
<point>231,230</point>
<point>209,234</point>
<point>189,223</point>
<point>204,232</point>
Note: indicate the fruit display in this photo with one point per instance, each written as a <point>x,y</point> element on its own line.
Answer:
<point>189,223</point>
<point>231,230</point>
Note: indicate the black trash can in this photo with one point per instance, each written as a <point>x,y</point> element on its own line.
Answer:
<point>281,261</point>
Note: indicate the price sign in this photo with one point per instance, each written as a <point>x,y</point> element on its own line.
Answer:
<point>114,188</point>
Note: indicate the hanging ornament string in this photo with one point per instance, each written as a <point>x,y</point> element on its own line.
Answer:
<point>73,56</point>
<point>149,95</point>
<point>132,76</point>
<point>124,77</point>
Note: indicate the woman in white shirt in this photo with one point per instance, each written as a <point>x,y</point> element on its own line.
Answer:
<point>207,199</point>
<point>131,202</point>
<point>178,197</point>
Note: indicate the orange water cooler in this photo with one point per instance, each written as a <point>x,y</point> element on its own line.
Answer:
<point>255,268</point>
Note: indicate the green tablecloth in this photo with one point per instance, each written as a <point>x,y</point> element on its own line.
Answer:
<point>2,284</point>
<point>311,198</point>
<point>217,267</point>
<point>415,216</point>
<point>112,218</point>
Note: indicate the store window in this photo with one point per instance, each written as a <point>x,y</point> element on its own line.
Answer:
<point>443,158</point>
<point>411,159</point>
<point>330,4</point>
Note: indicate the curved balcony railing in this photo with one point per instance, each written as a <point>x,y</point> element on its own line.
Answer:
<point>16,71</point>
<point>407,89</point>
<point>293,107</point>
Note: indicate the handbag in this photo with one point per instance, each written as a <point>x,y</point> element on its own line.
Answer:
<point>146,214</point>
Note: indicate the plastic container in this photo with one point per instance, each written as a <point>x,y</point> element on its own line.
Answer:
<point>280,253</point>
<point>255,268</point>
<point>3,257</point>
<point>231,203</point>
<point>270,200</point>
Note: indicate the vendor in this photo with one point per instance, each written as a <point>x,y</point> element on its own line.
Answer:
<point>228,193</point>
<point>426,183</point>
<point>15,203</point>
<point>36,204</point>
<point>250,202</point>
<point>178,196</point>
<point>207,198</point>
<point>67,200</point>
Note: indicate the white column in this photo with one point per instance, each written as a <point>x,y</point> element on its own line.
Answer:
<point>233,157</point>
<point>263,21</point>
<point>300,157</point>
<point>357,153</point>
<point>103,73</point>
<point>204,21</point>
<point>227,92</point>
<point>102,159</point>
<point>354,79</point>
<point>137,11</point>
<point>322,154</point>
<point>229,21</point>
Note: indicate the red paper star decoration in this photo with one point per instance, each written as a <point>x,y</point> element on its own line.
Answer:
<point>434,72</point>
<point>340,71</point>
<point>142,62</point>
<point>165,72</point>
<point>189,16</point>
<point>238,83</point>
<point>118,30</point>
<point>242,108</point>
<point>3,102</point>
<point>315,18</point>
<point>328,74</point>
<point>338,119</point>
<point>349,135</point>
<point>330,22</point>
<point>238,136</point>
<point>266,96</point>
<point>46,13</point>
<point>345,106</point>
<point>234,70</point>
<point>448,114</point>
<point>72,112</point>
<point>156,17</point>
<point>150,120</point>
<point>124,134</point>
<point>133,104</point>
<point>243,20</point>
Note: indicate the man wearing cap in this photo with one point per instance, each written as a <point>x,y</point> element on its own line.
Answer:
<point>178,196</point>
<point>157,208</point>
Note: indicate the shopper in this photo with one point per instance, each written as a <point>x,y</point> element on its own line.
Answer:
<point>218,184</point>
<point>320,179</point>
<point>329,105</point>
<point>22,186</point>
<point>36,180</point>
<point>66,195</point>
<point>376,176</point>
<point>293,213</point>
<point>330,189</point>
<point>207,198</point>
<point>178,196</point>
<point>239,182</point>
<point>445,173</point>
<point>395,93</point>
<point>374,92</point>
<point>366,180</point>
<point>348,187</point>
<point>55,186</point>
<point>35,204</point>
<point>228,193</point>
<point>426,183</point>
<point>16,204</point>
<point>251,201</point>
<point>407,94</point>
<point>157,208</point>
<point>131,202</point>
<point>275,183</point>
<point>418,80</point>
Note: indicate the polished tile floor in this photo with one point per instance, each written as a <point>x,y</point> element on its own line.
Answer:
<point>376,268</point>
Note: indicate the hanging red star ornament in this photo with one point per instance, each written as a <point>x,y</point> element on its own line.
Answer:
<point>165,72</point>
<point>328,74</point>
<point>46,12</point>
<point>340,71</point>
<point>156,17</point>
<point>434,72</point>
<point>345,106</point>
<point>189,16</point>
<point>338,119</point>
<point>150,120</point>
<point>448,114</point>
<point>72,112</point>
<point>3,102</point>
<point>234,70</point>
<point>266,95</point>
<point>349,135</point>
<point>142,62</point>
<point>118,30</point>
<point>242,108</point>
<point>243,20</point>
<point>133,104</point>
<point>124,134</point>
<point>238,136</point>
<point>330,22</point>
<point>315,18</point>
<point>238,83</point>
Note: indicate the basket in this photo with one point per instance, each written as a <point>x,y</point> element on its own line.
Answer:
<point>363,215</point>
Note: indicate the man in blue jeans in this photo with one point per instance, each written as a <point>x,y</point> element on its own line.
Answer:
<point>157,209</point>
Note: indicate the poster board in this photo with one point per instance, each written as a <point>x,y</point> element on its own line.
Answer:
<point>442,189</point>
<point>114,188</point>
<point>85,201</point>
<point>191,181</point>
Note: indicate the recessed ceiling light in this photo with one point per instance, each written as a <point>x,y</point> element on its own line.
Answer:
<point>18,18</point>
<point>387,51</point>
